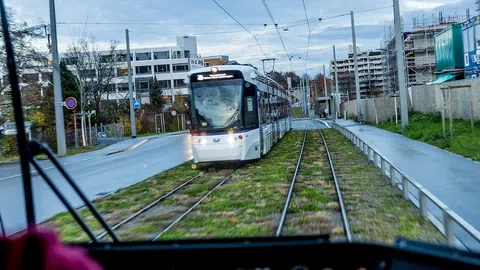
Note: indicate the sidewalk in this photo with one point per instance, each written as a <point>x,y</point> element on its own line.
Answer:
<point>451,178</point>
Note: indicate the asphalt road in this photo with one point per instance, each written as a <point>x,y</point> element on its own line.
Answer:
<point>96,173</point>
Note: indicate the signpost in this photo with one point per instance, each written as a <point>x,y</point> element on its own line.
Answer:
<point>136,104</point>
<point>70,103</point>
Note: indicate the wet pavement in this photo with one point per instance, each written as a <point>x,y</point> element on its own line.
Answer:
<point>451,178</point>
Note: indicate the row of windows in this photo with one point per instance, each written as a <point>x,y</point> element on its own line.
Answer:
<point>147,86</point>
<point>144,56</point>
<point>161,68</point>
<point>270,111</point>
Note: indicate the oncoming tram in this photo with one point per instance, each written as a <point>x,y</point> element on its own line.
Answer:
<point>237,113</point>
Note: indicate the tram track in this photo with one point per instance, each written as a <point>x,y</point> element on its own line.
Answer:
<point>160,215</point>
<point>300,207</point>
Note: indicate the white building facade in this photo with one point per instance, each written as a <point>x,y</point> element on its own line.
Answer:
<point>169,65</point>
<point>369,70</point>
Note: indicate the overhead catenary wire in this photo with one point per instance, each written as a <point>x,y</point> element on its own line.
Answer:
<point>258,43</point>
<point>309,34</point>
<point>278,32</point>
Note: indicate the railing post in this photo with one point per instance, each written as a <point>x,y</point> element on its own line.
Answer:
<point>393,181</point>
<point>382,164</point>
<point>449,228</point>
<point>405,187</point>
<point>423,204</point>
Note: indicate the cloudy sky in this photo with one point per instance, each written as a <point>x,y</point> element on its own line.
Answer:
<point>158,22</point>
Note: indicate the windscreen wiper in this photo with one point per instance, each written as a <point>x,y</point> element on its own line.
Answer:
<point>29,149</point>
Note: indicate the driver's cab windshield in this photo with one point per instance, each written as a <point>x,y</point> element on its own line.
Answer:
<point>314,128</point>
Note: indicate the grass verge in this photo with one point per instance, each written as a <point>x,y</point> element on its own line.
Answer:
<point>428,128</point>
<point>70,152</point>
<point>376,210</point>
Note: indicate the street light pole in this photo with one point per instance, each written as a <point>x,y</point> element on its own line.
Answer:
<point>400,65</point>
<point>130,88</point>
<point>57,86</point>
<point>325,87</point>
<point>355,63</point>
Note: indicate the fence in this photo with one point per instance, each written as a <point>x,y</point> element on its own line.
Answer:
<point>374,110</point>
<point>449,217</point>
<point>464,101</point>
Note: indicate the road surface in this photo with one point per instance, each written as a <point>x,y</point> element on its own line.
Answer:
<point>96,173</point>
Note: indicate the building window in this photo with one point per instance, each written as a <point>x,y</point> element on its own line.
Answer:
<point>178,83</point>
<point>106,58</point>
<point>30,78</point>
<point>176,54</point>
<point>122,57</point>
<point>143,70</point>
<point>162,68</point>
<point>164,84</point>
<point>87,73</point>
<point>144,86</point>
<point>161,55</point>
<point>122,71</point>
<point>122,87</point>
<point>143,56</point>
<point>207,64</point>
<point>180,68</point>
<point>106,72</point>
<point>46,76</point>
<point>69,61</point>
<point>187,54</point>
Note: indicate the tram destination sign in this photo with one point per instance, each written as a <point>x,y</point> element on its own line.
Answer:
<point>220,75</point>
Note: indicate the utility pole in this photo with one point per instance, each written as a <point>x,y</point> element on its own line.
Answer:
<point>355,63</point>
<point>400,65</point>
<point>326,91</point>
<point>337,94</point>
<point>130,88</point>
<point>57,86</point>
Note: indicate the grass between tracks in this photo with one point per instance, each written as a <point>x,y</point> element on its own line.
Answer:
<point>121,204</point>
<point>376,210</point>
<point>250,203</point>
<point>297,112</point>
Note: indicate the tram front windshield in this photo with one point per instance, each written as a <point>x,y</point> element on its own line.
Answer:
<point>216,105</point>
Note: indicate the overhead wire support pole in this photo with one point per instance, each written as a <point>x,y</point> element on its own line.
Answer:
<point>400,65</point>
<point>57,86</point>
<point>337,94</point>
<point>355,63</point>
<point>326,90</point>
<point>130,87</point>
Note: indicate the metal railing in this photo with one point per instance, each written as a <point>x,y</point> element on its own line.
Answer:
<point>449,217</point>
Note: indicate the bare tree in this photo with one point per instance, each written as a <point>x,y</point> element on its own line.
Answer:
<point>95,69</point>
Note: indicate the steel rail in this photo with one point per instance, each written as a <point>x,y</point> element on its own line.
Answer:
<point>292,184</point>
<point>346,225</point>
<point>189,210</point>
<point>149,206</point>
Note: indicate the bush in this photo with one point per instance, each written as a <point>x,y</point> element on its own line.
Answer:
<point>9,146</point>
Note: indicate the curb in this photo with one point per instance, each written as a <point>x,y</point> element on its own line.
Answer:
<point>17,161</point>
<point>145,140</point>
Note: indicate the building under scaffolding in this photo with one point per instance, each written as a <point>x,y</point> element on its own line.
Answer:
<point>419,51</point>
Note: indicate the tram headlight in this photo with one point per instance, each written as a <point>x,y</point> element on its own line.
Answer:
<point>231,139</point>
<point>197,141</point>
<point>214,70</point>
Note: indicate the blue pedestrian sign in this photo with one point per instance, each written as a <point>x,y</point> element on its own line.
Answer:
<point>136,104</point>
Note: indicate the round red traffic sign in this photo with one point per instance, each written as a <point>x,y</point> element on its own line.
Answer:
<point>71,103</point>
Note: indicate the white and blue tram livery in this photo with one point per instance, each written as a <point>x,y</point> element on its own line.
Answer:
<point>237,113</point>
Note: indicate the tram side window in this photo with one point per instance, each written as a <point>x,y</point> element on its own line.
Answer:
<point>250,114</point>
